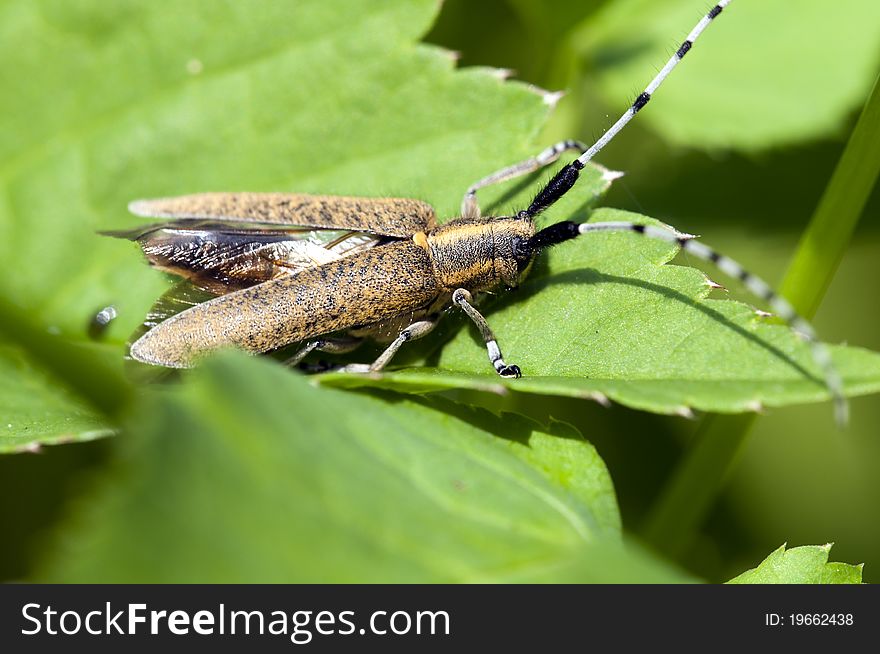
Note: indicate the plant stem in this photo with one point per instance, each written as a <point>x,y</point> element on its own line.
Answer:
<point>699,478</point>
<point>693,488</point>
<point>824,242</point>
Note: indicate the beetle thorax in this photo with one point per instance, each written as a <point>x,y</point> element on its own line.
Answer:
<point>478,254</point>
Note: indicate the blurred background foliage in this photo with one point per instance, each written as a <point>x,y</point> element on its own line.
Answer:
<point>738,149</point>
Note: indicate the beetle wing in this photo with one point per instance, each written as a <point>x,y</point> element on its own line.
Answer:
<point>367,287</point>
<point>180,297</point>
<point>400,217</point>
<point>221,258</point>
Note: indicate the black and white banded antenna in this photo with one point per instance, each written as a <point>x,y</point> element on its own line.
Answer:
<point>645,96</point>
<point>565,179</point>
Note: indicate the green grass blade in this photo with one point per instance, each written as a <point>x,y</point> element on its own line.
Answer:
<point>692,490</point>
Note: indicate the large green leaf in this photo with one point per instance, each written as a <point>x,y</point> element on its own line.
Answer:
<point>801,565</point>
<point>764,74</point>
<point>221,480</point>
<point>606,318</point>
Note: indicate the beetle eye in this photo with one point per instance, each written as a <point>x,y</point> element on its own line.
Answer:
<point>522,253</point>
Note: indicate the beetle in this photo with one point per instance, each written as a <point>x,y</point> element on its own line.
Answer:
<point>328,272</point>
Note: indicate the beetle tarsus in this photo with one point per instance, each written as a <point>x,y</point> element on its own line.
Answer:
<point>511,371</point>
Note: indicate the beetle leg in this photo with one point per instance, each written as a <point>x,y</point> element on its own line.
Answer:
<point>469,206</point>
<point>463,298</point>
<point>333,345</point>
<point>302,353</point>
<point>414,331</point>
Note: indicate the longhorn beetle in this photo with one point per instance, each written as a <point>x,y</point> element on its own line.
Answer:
<point>327,272</point>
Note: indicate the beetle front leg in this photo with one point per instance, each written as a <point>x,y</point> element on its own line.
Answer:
<point>469,206</point>
<point>463,298</point>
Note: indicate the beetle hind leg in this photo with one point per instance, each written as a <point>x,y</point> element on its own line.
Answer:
<point>463,299</point>
<point>339,345</point>
<point>414,331</point>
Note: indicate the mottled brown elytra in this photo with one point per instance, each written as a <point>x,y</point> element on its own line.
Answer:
<point>266,270</point>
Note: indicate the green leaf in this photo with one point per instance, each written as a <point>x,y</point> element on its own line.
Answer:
<point>220,481</point>
<point>59,391</point>
<point>36,409</point>
<point>606,318</point>
<point>801,565</point>
<point>752,81</point>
